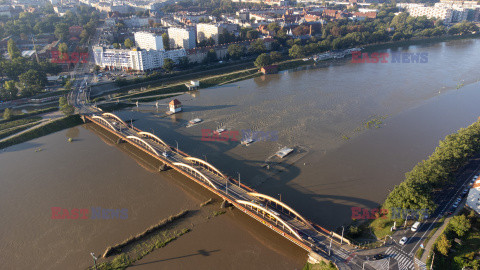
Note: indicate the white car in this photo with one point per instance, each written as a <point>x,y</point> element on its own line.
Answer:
<point>403,241</point>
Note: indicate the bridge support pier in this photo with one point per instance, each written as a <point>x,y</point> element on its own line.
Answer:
<point>119,141</point>
<point>225,204</point>
<point>163,167</point>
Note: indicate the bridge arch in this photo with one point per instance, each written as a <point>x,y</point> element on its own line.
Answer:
<point>285,224</point>
<point>266,197</point>
<point>135,138</point>
<point>194,159</point>
<point>105,121</point>
<point>152,136</point>
<point>196,171</point>
<point>116,117</point>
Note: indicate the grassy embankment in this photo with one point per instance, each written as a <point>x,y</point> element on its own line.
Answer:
<point>157,236</point>
<point>15,126</point>
<point>320,266</point>
<point>51,127</point>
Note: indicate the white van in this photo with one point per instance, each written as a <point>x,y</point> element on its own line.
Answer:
<point>415,226</point>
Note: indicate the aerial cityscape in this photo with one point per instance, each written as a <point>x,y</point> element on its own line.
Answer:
<point>240,134</point>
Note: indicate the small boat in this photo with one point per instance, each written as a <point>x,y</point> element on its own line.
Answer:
<point>220,131</point>
<point>247,141</point>
<point>195,121</point>
<point>284,152</point>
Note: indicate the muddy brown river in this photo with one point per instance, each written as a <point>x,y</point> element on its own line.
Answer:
<point>356,129</point>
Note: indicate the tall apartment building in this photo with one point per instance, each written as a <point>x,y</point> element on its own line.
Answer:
<point>148,41</point>
<point>213,30</point>
<point>445,14</point>
<point>182,37</point>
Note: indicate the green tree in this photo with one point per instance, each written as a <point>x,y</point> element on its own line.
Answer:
<point>33,81</point>
<point>235,51</point>
<point>168,64</point>
<point>460,225</point>
<point>275,56</point>
<point>443,245</point>
<point>7,114</point>
<point>258,46</point>
<point>67,109</point>
<point>297,51</point>
<point>128,43</point>
<point>211,56</point>
<point>61,31</point>
<point>63,49</point>
<point>68,85</point>
<point>166,41</point>
<point>116,45</point>
<point>62,101</point>
<point>262,60</point>
<point>12,49</point>
<point>11,90</point>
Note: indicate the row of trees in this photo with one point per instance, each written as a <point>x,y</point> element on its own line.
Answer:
<point>436,172</point>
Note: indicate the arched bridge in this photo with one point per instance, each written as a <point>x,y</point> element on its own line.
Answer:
<point>195,171</point>
<point>275,214</point>
<point>285,206</point>
<point>206,165</point>
<point>113,116</point>
<point>143,143</point>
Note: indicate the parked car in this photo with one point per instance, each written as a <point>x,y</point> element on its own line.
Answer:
<point>465,191</point>
<point>403,241</point>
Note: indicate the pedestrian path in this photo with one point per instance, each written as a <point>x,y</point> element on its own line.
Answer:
<point>404,262</point>
<point>421,265</point>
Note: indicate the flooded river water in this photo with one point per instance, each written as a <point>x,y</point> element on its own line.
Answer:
<point>322,111</point>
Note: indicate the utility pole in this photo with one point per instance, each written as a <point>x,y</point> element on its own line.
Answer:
<point>226,187</point>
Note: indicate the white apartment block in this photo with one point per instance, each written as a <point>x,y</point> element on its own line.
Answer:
<point>134,59</point>
<point>213,30</point>
<point>182,37</point>
<point>208,30</point>
<point>445,14</point>
<point>148,41</point>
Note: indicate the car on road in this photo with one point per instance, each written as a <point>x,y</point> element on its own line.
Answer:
<point>415,226</point>
<point>465,191</point>
<point>378,257</point>
<point>403,241</point>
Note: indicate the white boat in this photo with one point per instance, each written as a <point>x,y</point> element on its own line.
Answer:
<point>247,141</point>
<point>284,152</point>
<point>195,121</point>
<point>220,130</point>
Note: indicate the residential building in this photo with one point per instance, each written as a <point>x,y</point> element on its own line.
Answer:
<point>473,199</point>
<point>182,37</point>
<point>148,41</point>
<point>445,14</point>
<point>213,30</point>
<point>141,60</point>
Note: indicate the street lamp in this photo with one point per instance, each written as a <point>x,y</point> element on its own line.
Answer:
<point>280,195</point>
<point>341,241</point>
<point>177,145</point>
<point>238,179</point>
<point>94,259</point>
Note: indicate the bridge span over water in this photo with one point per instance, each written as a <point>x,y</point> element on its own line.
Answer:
<point>267,210</point>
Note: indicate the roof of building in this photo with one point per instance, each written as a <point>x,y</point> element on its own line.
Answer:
<point>175,102</point>
<point>476,184</point>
